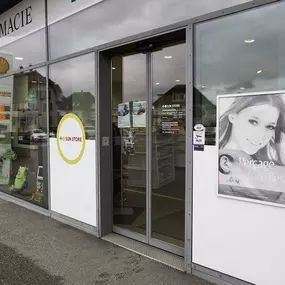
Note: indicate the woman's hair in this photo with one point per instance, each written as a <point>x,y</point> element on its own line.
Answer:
<point>270,151</point>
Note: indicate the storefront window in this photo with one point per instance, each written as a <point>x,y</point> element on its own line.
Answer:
<point>27,51</point>
<point>240,53</point>
<point>102,23</point>
<point>23,135</point>
<point>72,90</point>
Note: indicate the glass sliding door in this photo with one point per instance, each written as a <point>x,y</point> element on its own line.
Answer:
<point>129,95</point>
<point>168,139</point>
<point>149,144</point>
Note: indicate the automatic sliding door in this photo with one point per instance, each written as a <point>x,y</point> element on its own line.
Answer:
<point>129,96</point>
<point>168,145</point>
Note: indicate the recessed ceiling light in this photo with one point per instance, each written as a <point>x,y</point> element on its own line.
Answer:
<point>242,88</point>
<point>259,71</point>
<point>157,83</point>
<point>177,80</point>
<point>249,41</point>
<point>19,58</point>
<point>168,56</point>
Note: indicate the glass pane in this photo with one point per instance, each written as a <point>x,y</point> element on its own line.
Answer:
<point>168,145</point>
<point>129,96</point>
<point>23,136</point>
<point>102,23</point>
<point>27,51</point>
<point>72,89</point>
<point>252,61</point>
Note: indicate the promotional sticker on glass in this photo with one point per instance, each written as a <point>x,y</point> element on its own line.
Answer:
<point>124,117</point>
<point>139,114</point>
<point>251,142</point>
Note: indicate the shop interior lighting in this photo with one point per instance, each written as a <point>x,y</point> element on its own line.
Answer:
<point>18,58</point>
<point>259,71</point>
<point>157,83</point>
<point>113,68</point>
<point>168,56</point>
<point>249,41</point>
<point>177,80</point>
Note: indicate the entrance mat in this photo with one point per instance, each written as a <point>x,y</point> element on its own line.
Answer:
<point>128,219</point>
<point>170,225</point>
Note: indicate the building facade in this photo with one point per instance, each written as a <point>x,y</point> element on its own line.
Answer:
<point>160,121</point>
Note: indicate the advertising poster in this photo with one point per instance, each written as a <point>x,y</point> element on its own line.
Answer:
<point>124,116</point>
<point>251,141</point>
<point>139,114</point>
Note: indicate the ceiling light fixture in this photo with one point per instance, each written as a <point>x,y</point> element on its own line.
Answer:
<point>203,86</point>
<point>249,41</point>
<point>177,80</point>
<point>19,58</point>
<point>113,68</point>
<point>242,88</point>
<point>168,56</point>
<point>157,83</point>
<point>259,71</point>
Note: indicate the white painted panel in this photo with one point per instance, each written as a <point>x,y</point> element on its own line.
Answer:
<point>58,10</point>
<point>73,187</point>
<point>36,16</point>
<point>242,239</point>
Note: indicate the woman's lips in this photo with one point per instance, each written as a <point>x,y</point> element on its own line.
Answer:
<point>254,144</point>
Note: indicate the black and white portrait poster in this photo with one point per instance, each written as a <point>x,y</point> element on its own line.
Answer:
<point>251,142</point>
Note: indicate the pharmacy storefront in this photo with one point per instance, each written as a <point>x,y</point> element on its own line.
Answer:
<point>160,128</point>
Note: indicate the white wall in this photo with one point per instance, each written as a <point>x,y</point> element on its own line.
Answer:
<point>242,239</point>
<point>73,187</point>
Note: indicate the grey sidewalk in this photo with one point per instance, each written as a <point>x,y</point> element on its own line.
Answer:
<point>37,250</point>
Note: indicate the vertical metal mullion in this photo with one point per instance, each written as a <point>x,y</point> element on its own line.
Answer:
<point>148,145</point>
<point>47,104</point>
<point>189,148</point>
<point>97,142</point>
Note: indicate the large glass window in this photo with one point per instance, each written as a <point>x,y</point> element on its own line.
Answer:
<point>239,53</point>
<point>72,90</point>
<point>23,136</point>
<point>102,23</point>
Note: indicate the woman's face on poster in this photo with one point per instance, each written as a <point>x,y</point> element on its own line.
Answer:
<point>254,127</point>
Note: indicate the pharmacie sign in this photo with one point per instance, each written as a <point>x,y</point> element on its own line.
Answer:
<point>16,21</point>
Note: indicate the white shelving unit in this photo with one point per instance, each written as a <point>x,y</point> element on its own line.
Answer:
<point>163,171</point>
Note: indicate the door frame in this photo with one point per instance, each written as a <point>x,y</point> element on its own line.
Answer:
<point>105,160</point>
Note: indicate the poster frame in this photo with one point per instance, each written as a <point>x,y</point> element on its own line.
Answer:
<point>233,95</point>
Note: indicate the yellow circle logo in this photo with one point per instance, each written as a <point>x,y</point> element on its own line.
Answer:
<point>71,139</point>
<point>4,65</point>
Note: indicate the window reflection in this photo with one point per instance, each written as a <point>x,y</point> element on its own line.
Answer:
<point>72,90</point>
<point>23,138</point>
<point>251,60</point>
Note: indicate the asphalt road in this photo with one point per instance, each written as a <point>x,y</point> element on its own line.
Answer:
<point>37,250</point>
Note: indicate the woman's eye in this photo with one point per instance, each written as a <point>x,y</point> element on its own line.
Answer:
<point>253,122</point>
<point>271,128</point>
